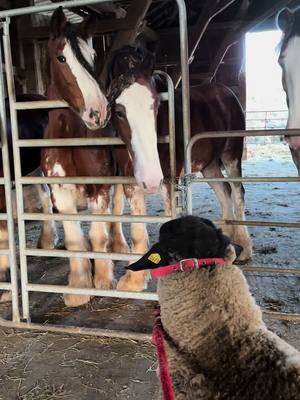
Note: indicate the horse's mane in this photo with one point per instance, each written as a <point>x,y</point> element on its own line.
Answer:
<point>125,66</point>
<point>131,60</point>
<point>72,37</point>
<point>294,31</point>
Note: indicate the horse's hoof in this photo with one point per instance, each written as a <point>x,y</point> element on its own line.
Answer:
<point>120,247</point>
<point>76,300</point>
<point>128,283</point>
<point>244,257</point>
<point>5,296</point>
<point>104,284</point>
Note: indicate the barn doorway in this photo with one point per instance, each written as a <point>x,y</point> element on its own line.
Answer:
<point>265,98</point>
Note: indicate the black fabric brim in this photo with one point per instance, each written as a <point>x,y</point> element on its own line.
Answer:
<point>154,258</point>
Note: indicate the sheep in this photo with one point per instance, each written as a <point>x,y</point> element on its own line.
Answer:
<point>217,345</point>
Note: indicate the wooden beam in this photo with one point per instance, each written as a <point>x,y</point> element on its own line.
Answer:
<point>229,40</point>
<point>135,16</point>
<point>108,8</point>
<point>210,10</point>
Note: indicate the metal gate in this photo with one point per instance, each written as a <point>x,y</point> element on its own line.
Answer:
<point>185,182</point>
<point>24,252</point>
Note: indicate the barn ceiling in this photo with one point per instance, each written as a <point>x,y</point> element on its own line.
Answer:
<point>215,29</point>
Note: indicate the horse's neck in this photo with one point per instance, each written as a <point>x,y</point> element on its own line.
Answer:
<point>52,92</point>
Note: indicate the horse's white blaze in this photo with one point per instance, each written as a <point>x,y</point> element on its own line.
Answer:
<point>94,99</point>
<point>291,66</point>
<point>138,102</point>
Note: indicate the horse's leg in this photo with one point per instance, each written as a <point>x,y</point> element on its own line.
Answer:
<point>4,260</point>
<point>80,275</point>
<point>136,281</point>
<point>241,235</point>
<point>99,236</point>
<point>119,244</point>
<point>296,158</point>
<point>166,195</point>
<point>48,237</point>
<point>223,193</point>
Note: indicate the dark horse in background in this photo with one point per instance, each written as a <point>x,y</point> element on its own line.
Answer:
<point>32,124</point>
<point>213,108</point>
<point>289,60</point>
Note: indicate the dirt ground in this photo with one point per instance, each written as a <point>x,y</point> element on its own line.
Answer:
<point>40,366</point>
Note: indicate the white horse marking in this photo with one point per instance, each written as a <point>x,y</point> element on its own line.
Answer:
<point>138,102</point>
<point>94,99</point>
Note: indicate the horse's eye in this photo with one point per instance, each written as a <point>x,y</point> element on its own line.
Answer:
<point>120,114</point>
<point>61,59</point>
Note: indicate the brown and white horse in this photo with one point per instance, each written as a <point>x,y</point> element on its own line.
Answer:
<point>289,60</point>
<point>213,108</point>
<point>71,73</point>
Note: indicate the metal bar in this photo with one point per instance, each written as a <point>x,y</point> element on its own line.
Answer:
<point>254,133</point>
<point>4,252</point>
<point>76,180</point>
<point>278,316</point>
<point>82,254</point>
<point>134,257</point>
<point>8,286</point>
<point>9,216</point>
<point>172,138</point>
<point>273,224</point>
<point>39,104</point>
<point>185,82</point>
<point>221,134</point>
<point>17,166</point>
<point>76,330</point>
<point>69,142</point>
<point>272,270</point>
<point>42,104</point>
<point>34,287</point>
<point>94,218</point>
<point>48,7</point>
<point>143,219</point>
<point>254,179</point>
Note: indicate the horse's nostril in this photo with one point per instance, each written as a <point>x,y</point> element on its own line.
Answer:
<point>91,114</point>
<point>144,185</point>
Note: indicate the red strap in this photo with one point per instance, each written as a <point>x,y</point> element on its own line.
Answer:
<point>164,372</point>
<point>189,263</point>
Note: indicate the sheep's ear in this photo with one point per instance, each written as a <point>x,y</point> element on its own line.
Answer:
<point>156,257</point>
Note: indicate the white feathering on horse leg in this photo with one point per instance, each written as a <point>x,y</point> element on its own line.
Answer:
<point>80,268</point>
<point>99,236</point>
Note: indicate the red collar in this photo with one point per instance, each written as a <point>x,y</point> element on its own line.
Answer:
<point>182,265</point>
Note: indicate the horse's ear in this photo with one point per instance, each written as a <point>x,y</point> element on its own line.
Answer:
<point>58,23</point>
<point>149,63</point>
<point>88,26</point>
<point>285,20</point>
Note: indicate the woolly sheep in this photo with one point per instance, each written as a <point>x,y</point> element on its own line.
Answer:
<point>217,344</point>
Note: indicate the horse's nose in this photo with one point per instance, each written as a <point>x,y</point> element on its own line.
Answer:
<point>95,116</point>
<point>151,188</point>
